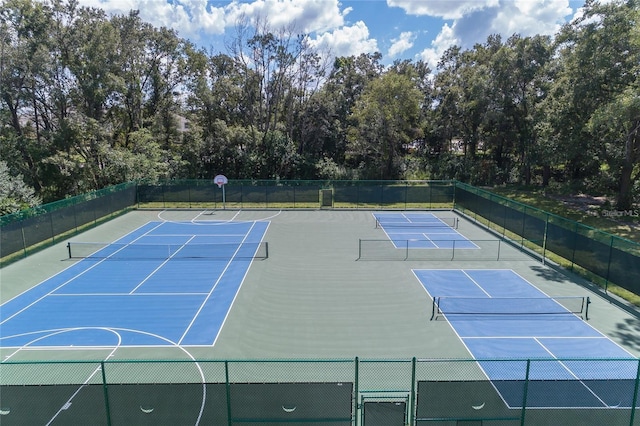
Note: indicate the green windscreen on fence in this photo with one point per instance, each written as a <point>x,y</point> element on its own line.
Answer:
<point>611,258</point>
<point>298,194</point>
<point>309,392</point>
<point>43,224</point>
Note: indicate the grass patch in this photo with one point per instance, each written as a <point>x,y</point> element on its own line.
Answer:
<point>591,211</point>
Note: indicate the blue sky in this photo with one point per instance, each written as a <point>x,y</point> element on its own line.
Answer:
<point>399,29</point>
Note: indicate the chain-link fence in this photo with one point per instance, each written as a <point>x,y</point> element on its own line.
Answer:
<point>602,257</point>
<point>298,194</point>
<point>349,392</point>
<point>37,227</point>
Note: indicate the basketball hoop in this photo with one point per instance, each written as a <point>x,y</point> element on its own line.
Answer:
<point>220,180</point>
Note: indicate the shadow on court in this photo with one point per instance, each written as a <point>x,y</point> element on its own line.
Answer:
<point>628,332</point>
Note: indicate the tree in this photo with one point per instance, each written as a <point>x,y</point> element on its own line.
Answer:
<point>617,124</point>
<point>597,61</point>
<point>517,88</point>
<point>387,119</point>
<point>15,195</point>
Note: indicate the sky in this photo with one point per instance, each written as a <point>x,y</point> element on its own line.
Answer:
<point>398,29</point>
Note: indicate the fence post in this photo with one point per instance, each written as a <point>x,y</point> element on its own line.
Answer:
<point>412,401</point>
<point>356,396</point>
<point>606,279</point>
<point>524,396</point>
<point>635,396</point>
<point>107,409</point>
<point>573,252</point>
<point>228,390</point>
<point>544,238</point>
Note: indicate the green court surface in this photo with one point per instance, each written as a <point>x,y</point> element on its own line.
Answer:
<point>313,297</point>
<point>316,297</point>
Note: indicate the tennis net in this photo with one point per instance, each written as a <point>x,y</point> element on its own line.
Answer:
<point>498,306</point>
<point>122,251</point>
<point>436,222</point>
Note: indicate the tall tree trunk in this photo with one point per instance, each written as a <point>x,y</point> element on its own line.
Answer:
<point>631,155</point>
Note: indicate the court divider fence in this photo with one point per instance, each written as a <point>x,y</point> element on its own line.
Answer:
<point>602,257</point>
<point>348,392</point>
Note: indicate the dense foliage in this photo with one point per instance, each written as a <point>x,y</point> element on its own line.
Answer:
<point>88,100</point>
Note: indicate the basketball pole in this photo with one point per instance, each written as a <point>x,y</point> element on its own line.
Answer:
<point>221,181</point>
<point>224,198</point>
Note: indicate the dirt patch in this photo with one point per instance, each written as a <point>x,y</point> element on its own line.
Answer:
<point>584,203</point>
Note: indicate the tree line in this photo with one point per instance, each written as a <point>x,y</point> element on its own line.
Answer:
<point>89,100</point>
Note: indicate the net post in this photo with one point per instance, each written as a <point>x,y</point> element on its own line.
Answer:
<point>433,308</point>
<point>266,249</point>
<point>406,252</point>
<point>69,249</point>
<point>359,248</point>
<point>453,249</point>
<point>586,309</point>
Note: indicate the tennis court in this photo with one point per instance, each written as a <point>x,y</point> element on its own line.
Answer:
<point>419,230</point>
<point>165,283</point>
<point>498,314</point>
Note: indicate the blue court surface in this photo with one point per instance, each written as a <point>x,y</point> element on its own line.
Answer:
<point>499,315</point>
<point>164,284</point>
<point>420,230</point>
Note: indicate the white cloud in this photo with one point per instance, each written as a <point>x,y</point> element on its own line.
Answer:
<point>444,40</point>
<point>196,18</point>
<point>401,44</point>
<point>528,17</point>
<point>306,16</point>
<point>347,41</point>
<point>506,17</point>
<point>447,9</point>
<point>191,18</point>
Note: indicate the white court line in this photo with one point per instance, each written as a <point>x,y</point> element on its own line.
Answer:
<point>126,294</point>
<point>234,299</point>
<point>571,372</point>
<point>214,286</point>
<point>117,332</point>
<point>66,282</point>
<point>99,368</point>
<point>476,283</point>
<point>161,265</point>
